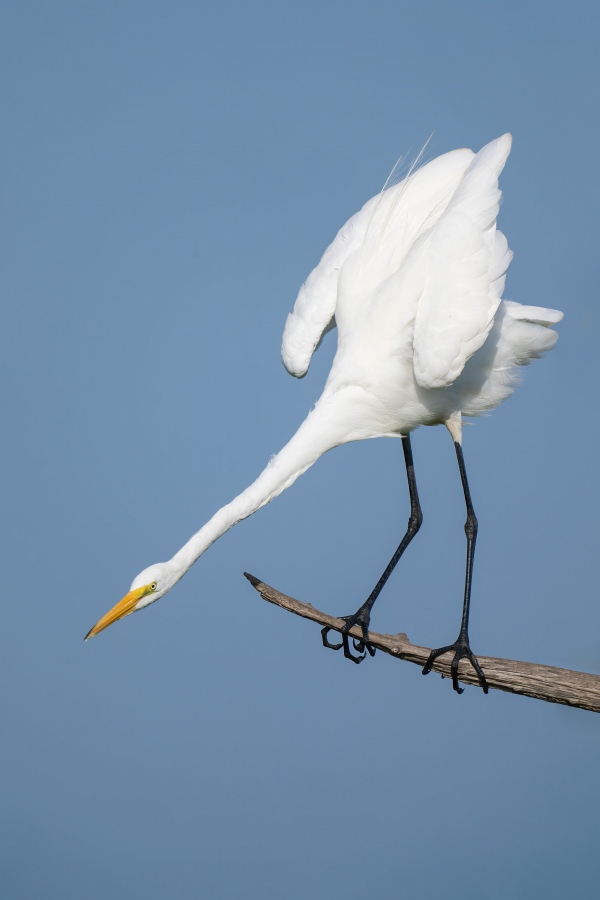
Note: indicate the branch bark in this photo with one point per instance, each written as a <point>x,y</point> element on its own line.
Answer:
<point>549,683</point>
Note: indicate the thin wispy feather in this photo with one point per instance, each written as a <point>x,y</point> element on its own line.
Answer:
<point>402,171</point>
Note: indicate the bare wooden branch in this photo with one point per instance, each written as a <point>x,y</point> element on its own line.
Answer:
<point>531,679</point>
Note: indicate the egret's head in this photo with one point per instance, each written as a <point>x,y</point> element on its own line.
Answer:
<point>150,585</point>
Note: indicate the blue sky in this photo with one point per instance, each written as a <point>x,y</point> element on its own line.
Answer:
<point>170,174</point>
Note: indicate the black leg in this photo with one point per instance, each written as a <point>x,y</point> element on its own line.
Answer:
<point>362,616</point>
<point>461,645</point>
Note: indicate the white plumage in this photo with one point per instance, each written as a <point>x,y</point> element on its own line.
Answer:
<point>413,282</point>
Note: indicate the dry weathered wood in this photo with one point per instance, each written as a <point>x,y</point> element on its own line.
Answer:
<point>531,679</point>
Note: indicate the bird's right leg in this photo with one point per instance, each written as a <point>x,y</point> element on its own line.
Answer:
<point>362,616</point>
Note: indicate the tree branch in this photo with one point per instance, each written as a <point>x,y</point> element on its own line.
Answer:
<point>530,679</point>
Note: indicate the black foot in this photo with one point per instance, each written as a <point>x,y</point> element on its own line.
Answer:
<point>462,651</point>
<point>362,617</point>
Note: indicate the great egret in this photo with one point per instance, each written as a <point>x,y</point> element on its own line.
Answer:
<point>413,282</point>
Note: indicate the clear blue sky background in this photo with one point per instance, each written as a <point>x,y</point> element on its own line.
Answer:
<point>170,173</point>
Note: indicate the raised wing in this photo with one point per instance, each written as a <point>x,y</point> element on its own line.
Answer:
<point>314,311</point>
<point>467,259</point>
<point>378,236</point>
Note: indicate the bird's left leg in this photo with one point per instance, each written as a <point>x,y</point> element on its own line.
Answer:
<point>461,647</point>
<point>362,616</point>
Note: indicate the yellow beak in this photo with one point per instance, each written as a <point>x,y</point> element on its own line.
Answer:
<point>123,608</point>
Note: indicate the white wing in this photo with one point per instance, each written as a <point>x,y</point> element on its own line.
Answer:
<point>467,259</point>
<point>314,310</point>
<point>383,231</point>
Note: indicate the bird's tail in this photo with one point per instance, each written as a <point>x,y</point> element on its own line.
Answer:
<point>527,330</point>
<point>520,335</point>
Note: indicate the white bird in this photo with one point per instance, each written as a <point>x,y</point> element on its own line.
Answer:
<point>413,283</point>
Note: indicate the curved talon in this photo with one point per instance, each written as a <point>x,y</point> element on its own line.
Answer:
<point>362,644</point>
<point>348,652</point>
<point>433,656</point>
<point>479,670</point>
<point>454,670</point>
<point>324,632</point>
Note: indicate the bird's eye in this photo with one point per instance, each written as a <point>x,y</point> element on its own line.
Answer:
<point>153,586</point>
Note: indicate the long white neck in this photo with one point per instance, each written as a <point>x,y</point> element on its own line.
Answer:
<point>324,428</point>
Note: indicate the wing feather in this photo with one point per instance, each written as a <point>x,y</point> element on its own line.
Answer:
<point>380,234</point>
<point>467,260</point>
<point>314,311</point>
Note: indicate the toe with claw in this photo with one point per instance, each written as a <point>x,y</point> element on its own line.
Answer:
<point>462,650</point>
<point>362,618</point>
